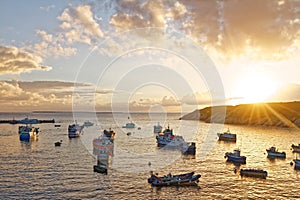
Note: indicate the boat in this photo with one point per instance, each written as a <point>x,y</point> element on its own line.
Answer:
<point>103,145</point>
<point>74,130</point>
<point>190,150</point>
<point>235,156</point>
<point>169,140</point>
<point>57,125</point>
<point>27,133</point>
<point>88,123</point>
<point>26,120</point>
<point>169,180</point>
<point>58,144</point>
<point>296,148</point>
<point>296,163</point>
<point>100,169</point>
<point>227,136</point>
<point>274,153</point>
<point>153,177</point>
<point>157,128</point>
<point>257,173</point>
<point>109,133</point>
<point>129,125</point>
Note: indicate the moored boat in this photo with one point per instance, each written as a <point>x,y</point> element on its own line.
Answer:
<point>257,173</point>
<point>190,150</point>
<point>174,180</point>
<point>235,156</point>
<point>296,148</point>
<point>74,130</point>
<point>296,163</point>
<point>109,134</point>
<point>88,123</point>
<point>26,120</point>
<point>168,140</point>
<point>27,133</point>
<point>129,125</point>
<point>227,136</point>
<point>274,153</point>
<point>103,145</point>
<point>157,128</point>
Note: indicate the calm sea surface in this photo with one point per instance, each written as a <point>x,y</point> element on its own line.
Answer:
<point>39,170</point>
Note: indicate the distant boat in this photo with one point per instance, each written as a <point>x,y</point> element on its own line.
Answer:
<point>74,130</point>
<point>235,156</point>
<point>257,173</point>
<point>88,123</point>
<point>296,148</point>
<point>27,133</point>
<point>129,124</point>
<point>157,128</point>
<point>26,120</point>
<point>274,153</point>
<point>103,145</point>
<point>57,125</point>
<point>227,136</point>
<point>153,177</point>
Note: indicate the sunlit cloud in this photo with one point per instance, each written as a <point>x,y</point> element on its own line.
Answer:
<point>15,61</point>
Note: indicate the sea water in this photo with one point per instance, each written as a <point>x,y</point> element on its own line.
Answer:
<point>39,170</point>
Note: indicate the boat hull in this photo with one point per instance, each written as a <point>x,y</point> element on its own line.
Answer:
<point>296,148</point>
<point>227,137</point>
<point>254,173</point>
<point>180,182</point>
<point>276,154</point>
<point>100,169</point>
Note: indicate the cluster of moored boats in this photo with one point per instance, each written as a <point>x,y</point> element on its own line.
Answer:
<point>237,158</point>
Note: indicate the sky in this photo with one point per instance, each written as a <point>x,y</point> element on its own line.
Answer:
<point>147,56</point>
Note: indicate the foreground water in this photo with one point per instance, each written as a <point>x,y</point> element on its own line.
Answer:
<point>39,170</point>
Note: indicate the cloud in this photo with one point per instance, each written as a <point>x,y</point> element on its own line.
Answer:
<point>79,25</point>
<point>260,29</point>
<point>290,92</point>
<point>38,95</point>
<point>16,61</point>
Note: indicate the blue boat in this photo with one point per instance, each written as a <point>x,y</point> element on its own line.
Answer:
<point>235,156</point>
<point>274,153</point>
<point>27,133</point>
<point>74,130</point>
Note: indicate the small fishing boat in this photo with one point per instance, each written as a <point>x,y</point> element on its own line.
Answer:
<point>235,156</point>
<point>227,136</point>
<point>168,140</point>
<point>129,125</point>
<point>170,180</point>
<point>57,125</point>
<point>109,133</point>
<point>296,163</point>
<point>58,144</point>
<point>296,148</point>
<point>100,169</point>
<point>74,130</point>
<point>274,153</point>
<point>256,173</point>
<point>153,177</point>
<point>27,133</point>
<point>88,123</point>
<point>190,150</point>
<point>157,128</point>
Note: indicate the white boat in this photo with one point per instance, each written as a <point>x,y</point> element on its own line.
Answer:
<point>274,153</point>
<point>88,123</point>
<point>103,145</point>
<point>74,130</point>
<point>235,156</point>
<point>28,132</point>
<point>157,128</point>
<point>227,136</point>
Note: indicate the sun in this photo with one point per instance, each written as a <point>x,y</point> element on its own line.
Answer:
<point>256,88</point>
